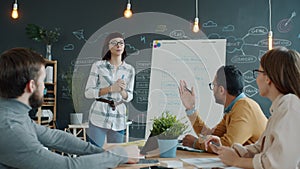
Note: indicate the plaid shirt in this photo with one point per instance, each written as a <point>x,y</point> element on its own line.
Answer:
<point>101,76</point>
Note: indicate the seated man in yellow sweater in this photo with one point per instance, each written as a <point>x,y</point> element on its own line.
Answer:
<point>243,121</point>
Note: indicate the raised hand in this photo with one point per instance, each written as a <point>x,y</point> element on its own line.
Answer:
<point>187,96</point>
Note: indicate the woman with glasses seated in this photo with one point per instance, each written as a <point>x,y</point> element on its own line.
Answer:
<point>278,78</point>
<point>111,79</point>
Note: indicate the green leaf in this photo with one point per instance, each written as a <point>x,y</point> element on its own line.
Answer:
<point>40,34</point>
<point>168,126</point>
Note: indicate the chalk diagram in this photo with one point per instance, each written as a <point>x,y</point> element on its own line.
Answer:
<point>285,25</point>
<point>79,34</point>
<point>235,46</point>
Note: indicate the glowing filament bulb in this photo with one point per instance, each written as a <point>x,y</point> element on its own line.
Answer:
<point>15,13</point>
<point>270,40</point>
<point>196,25</point>
<point>128,12</point>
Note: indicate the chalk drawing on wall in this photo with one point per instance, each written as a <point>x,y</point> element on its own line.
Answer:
<point>276,42</point>
<point>237,48</point>
<point>228,28</point>
<point>69,47</point>
<point>209,24</point>
<point>130,49</point>
<point>161,28</point>
<point>79,34</point>
<point>178,34</point>
<point>236,44</point>
<point>243,59</point>
<point>285,25</point>
<point>87,61</point>
<point>248,76</point>
<point>143,39</point>
<point>66,92</point>
<point>250,90</point>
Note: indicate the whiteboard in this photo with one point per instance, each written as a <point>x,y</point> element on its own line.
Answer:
<point>196,62</point>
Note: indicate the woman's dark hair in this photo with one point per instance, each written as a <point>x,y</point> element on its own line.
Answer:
<point>231,78</point>
<point>17,67</point>
<point>106,52</point>
<point>282,66</point>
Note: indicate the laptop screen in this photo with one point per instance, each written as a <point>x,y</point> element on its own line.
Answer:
<point>150,146</point>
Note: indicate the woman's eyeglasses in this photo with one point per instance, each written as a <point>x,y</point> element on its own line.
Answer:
<point>115,43</point>
<point>256,71</point>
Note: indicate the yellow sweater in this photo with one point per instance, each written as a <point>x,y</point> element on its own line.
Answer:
<point>243,124</point>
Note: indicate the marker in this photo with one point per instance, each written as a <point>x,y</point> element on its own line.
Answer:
<point>122,76</point>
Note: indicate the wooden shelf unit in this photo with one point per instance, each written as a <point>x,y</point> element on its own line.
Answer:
<point>50,98</point>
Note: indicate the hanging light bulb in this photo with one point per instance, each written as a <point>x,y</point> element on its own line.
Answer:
<point>196,25</point>
<point>196,22</point>
<point>270,35</point>
<point>14,13</point>
<point>270,40</point>
<point>128,12</point>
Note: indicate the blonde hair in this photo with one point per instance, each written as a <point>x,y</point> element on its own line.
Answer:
<point>282,66</point>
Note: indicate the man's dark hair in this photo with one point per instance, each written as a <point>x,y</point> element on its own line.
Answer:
<point>231,78</point>
<point>17,67</point>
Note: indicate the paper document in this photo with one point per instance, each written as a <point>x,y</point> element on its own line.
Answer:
<point>207,163</point>
<point>204,162</point>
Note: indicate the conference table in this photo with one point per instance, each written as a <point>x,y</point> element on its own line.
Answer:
<point>179,155</point>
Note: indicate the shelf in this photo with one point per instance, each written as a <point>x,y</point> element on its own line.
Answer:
<point>49,98</point>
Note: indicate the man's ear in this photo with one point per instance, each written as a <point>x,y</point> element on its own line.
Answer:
<point>30,86</point>
<point>222,90</point>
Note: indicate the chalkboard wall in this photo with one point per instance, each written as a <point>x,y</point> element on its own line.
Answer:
<point>244,24</point>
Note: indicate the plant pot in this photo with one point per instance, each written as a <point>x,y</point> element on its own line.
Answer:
<point>76,118</point>
<point>167,148</point>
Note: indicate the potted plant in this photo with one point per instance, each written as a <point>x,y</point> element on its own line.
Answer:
<point>41,34</point>
<point>167,129</point>
<point>75,116</point>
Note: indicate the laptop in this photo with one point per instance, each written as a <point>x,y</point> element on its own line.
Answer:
<point>151,146</point>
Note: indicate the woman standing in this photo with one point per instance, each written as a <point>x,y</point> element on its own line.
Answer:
<point>278,78</point>
<point>111,79</point>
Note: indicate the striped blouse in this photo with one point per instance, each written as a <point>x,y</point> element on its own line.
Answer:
<point>102,75</point>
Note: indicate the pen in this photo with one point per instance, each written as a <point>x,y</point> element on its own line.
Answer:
<point>122,76</point>
<point>214,143</point>
<point>187,89</point>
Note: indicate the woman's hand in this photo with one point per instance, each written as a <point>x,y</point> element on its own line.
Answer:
<point>228,156</point>
<point>213,142</point>
<point>122,84</point>
<point>118,86</point>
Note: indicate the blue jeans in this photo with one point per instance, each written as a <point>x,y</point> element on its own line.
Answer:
<point>96,135</point>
